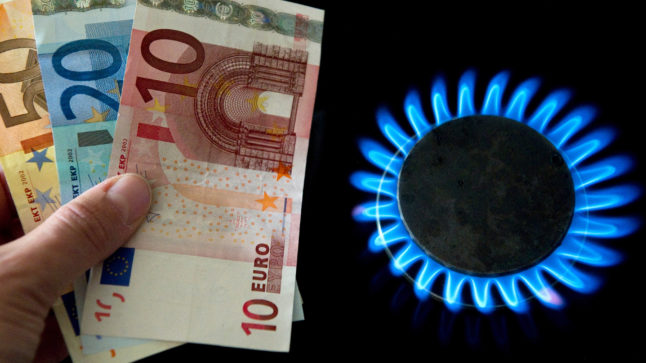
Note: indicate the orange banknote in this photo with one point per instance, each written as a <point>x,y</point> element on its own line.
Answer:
<point>26,142</point>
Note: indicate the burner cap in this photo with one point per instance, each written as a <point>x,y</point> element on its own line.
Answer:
<point>486,195</point>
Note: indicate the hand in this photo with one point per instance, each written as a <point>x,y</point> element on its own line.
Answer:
<point>37,267</point>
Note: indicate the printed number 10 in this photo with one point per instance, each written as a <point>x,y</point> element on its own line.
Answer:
<point>248,326</point>
<point>144,85</point>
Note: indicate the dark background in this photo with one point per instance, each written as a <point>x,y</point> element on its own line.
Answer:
<point>373,53</point>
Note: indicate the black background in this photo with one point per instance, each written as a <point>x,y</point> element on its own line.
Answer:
<point>373,53</point>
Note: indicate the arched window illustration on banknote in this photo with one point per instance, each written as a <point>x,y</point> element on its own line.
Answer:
<point>246,105</point>
<point>244,111</point>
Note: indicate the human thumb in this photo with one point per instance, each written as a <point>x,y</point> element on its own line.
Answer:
<point>84,231</point>
<point>35,269</point>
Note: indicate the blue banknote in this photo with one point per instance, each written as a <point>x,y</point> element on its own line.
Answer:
<point>83,78</point>
<point>82,57</point>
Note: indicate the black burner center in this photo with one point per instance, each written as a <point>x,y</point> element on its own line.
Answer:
<point>486,195</point>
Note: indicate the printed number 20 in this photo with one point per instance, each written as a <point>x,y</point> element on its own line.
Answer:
<point>59,68</point>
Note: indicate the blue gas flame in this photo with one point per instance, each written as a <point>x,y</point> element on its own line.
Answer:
<point>581,245</point>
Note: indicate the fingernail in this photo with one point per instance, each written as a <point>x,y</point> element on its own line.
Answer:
<point>131,195</point>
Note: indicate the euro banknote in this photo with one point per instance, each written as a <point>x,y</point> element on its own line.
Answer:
<point>215,112</point>
<point>82,50</point>
<point>26,141</point>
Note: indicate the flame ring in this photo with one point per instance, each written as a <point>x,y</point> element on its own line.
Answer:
<point>581,243</point>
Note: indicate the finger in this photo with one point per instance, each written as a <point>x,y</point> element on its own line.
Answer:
<point>35,268</point>
<point>84,231</point>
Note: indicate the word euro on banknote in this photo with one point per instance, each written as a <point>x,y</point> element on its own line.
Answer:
<point>216,112</point>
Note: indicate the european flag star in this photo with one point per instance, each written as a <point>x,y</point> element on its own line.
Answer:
<point>40,157</point>
<point>43,198</point>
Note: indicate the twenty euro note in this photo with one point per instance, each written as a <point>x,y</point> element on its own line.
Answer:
<point>82,49</point>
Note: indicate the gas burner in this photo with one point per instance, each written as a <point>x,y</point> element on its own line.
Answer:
<point>485,195</point>
<point>492,199</point>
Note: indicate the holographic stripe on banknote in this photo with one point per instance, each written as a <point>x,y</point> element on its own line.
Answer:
<point>250,16</point>
<point>49,7</point>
